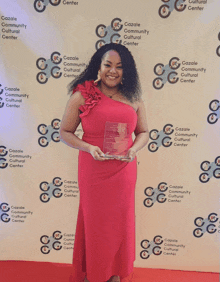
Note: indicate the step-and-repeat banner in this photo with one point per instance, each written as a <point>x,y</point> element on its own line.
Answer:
<point>176,45</point>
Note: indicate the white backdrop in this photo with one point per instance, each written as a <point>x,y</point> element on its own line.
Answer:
<point>44,45</point>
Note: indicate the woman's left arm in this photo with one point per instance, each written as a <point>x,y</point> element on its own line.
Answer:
<point>141,132</point>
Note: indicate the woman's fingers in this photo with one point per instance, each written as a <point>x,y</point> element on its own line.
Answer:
<point>100,157</point>
<point>127,160</point>
<point>97,154</point>
<point>100,152</point>
<point>130,156</point>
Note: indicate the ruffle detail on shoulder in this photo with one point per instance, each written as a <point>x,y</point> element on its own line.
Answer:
<point>91,94</point>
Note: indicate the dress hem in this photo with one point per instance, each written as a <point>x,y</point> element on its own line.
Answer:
<point>123,278</point>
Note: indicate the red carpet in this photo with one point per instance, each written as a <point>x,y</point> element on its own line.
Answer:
<point>22,271</point>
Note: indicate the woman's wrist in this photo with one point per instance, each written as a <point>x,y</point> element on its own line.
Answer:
<point>140,141</point>
<point>88,148</point>
<point>133,149</point>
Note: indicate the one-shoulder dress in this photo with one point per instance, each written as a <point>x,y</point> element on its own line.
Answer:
<point>105,231</point>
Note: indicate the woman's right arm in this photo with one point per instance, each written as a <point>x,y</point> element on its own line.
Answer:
<point>69,124</point>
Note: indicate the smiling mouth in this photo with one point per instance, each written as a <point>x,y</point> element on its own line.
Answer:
<point>112,77</point>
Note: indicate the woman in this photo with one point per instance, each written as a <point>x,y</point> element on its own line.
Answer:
<point>106,96</point>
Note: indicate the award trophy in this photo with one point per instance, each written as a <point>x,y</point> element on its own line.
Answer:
<point>116,140</point>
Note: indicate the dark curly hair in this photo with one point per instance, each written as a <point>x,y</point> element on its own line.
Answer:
<point>131,85</point>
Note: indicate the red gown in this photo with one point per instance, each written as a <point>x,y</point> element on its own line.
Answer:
<point>105,232</point>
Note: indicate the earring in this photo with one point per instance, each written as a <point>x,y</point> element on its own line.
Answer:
<point>121,81</point>
<point>98,77</point>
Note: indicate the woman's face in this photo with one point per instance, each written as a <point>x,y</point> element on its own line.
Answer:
<point>111,71</point>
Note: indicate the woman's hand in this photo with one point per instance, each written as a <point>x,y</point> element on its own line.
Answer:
<point>130,156</point>
<point>97,153</point>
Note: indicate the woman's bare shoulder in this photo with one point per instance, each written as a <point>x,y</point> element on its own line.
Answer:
<point>139,103</point>
<point>77,98</point>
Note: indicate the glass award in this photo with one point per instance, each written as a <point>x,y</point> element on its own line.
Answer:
<point>116,140</point>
